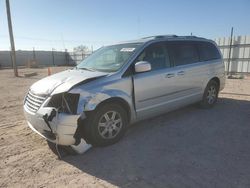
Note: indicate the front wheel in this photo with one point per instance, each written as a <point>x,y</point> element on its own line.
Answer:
<point>210,94</point>
<point>107,125</point>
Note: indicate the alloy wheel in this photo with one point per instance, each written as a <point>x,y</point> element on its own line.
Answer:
<point>110,124</point>
<point>211,94</point>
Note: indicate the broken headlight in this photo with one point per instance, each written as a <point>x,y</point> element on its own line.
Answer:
<point>65,102</point>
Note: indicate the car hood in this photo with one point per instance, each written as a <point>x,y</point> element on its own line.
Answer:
<point>63,81</point>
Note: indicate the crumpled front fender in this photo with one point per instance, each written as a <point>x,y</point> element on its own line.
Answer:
<point>90,102</point>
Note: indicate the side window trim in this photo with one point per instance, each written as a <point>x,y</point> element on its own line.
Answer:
<point>195,43</point>
<point>170,55</point>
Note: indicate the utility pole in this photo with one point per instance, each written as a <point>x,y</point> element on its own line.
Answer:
<point>12,43</point>
<point>230,49</point>
<point>53,57</point>
<point>34,54</point>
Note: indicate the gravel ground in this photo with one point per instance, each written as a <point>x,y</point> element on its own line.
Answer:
<point>189,147</point>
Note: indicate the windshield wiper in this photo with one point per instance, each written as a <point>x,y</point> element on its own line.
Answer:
<point>84,68</point>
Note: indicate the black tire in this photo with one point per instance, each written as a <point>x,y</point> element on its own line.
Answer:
<point>95,127</point>
<point>210,95</point>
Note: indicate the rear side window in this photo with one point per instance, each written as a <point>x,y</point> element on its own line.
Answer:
<point>208,51</point>
<point>183,53</point>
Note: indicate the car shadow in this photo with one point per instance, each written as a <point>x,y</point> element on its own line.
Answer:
<point>190,147</point>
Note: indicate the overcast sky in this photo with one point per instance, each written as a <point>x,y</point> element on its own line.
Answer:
<point>60,24</point>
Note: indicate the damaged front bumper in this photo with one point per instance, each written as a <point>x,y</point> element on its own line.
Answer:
<point>58,128</point>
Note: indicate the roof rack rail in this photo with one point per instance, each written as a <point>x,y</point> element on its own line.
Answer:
<point>160,36</point>
<point>172,36</point>
<point>190,36</point>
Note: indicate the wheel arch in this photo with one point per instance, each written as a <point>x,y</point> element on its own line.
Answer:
<point>116,100</point>
<point>216,79</point>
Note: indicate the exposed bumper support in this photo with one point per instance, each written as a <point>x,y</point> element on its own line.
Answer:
<point>56,127</point>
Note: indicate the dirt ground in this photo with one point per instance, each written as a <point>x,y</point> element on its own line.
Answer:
<point>189,147</point>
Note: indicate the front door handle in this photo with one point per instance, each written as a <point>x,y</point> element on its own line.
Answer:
<point>169,75</point>
<point>180,73</point>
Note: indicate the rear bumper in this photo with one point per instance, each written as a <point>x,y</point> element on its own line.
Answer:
<point>62,127</point>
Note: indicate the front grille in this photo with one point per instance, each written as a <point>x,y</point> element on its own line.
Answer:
<point>33,102</point>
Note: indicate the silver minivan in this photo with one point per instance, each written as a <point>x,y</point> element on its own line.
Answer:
<point>123,83</point>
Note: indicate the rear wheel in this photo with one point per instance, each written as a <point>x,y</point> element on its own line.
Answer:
<point>106,125</point>
<point>210,94</point>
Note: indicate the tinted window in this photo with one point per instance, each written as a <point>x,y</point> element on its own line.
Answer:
<point>156,55</point>
<point>208,51</point>
<point>183,53</point>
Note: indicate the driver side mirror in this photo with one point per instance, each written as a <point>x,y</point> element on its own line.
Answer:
<point>142,66</point>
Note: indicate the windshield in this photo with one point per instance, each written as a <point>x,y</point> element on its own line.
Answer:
<point>109,58</point>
